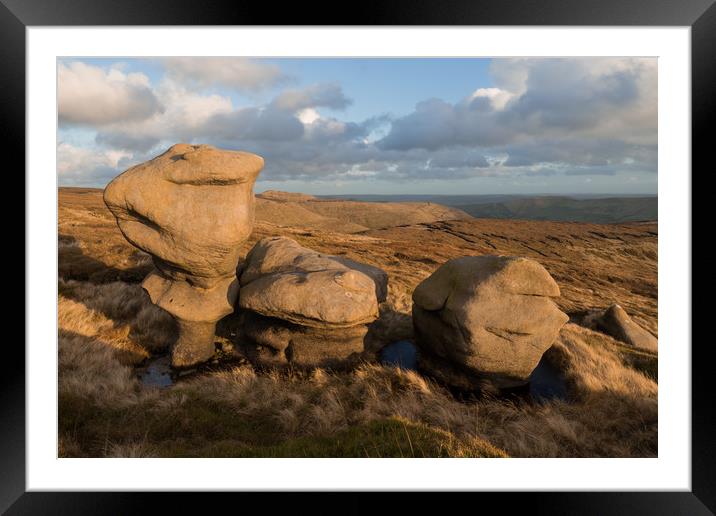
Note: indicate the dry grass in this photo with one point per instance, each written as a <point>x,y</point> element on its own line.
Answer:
<point>298,210</point>
<point>116,316</point>
<point>109,326</point>
<point>106,412</point>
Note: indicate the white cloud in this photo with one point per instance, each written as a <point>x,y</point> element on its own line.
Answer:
<point>308,116</point>
<point>185,114</point>
<point>233,72</point>
<point>188,109</point>
<point>498,98</point>
<point>90,95</point>
<point>80,165</point>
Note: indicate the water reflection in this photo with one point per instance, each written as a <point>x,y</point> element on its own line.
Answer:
<point>546,382</point>
<point>401,354</point>
<point>157,372</point>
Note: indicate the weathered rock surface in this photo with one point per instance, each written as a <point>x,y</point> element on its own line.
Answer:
<point>304,306</point>
<point>486,318</point>
<point>617,323</point>
<point>275,341</point>
<point>190,208</point>
<point>313,288</point>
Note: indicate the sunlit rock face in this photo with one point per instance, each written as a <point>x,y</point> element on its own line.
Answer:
<point>190,208</point>
<point>617,323</point>
<point>486,318</point>
<point>304,307</point>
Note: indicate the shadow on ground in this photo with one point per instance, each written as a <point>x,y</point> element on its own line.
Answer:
<point>74,264</point>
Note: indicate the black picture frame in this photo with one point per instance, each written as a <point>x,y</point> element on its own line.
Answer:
<point>700,15</point>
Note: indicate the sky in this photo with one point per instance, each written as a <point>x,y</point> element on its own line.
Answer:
<point>372,126</point>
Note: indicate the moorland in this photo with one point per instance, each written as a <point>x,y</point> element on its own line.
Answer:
<point>110,333</point>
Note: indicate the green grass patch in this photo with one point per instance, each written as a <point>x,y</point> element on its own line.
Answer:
<point>193,420</point>
<point>393,437</point>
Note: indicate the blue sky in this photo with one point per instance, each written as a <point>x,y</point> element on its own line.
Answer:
<point>341,126</point>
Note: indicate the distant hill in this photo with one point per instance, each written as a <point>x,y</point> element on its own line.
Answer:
<point>347,216</point>
<point>577,208</point>
<point>358,213</point>
<point>602,211</point>
<point>278,195</point>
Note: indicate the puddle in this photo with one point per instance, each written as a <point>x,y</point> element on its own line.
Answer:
<point>401,354</point>
<point>546,382</point>
<point>157,372</point>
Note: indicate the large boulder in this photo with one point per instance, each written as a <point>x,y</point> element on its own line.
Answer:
<point>617,323</point>
<point>190,208</point>
<point>305,307</point>
<point>486,319</point>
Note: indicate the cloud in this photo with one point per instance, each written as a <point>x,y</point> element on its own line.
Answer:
<point>186,113</point>
<point>126,141</point>
<point>92,96</point>
<point>83,166</point>
<point>261,124</point>
<point>585,152</point>
<point>540,118</point>
<point>191,116</point>
<point>308,115</point>
<point>328,95</point>
<point>458,160</point>
<point>540,98</point>
<point>232,72</point>
<point>593,171</point>
<point>497,98</point>
<point>431,126</point>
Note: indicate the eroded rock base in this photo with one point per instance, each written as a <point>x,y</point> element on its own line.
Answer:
<point>464,378</point>
<point>195,343</point>
<point>270,341</point>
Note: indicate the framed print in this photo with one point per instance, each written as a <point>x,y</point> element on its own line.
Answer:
<point>445,249</point>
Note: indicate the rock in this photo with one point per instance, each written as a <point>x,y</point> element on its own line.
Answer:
<point>486,318</point>
<point>330,298</point>
<point>274,255</point>
<point>617,323</point>
<point>305,307</point>
<point>379,276</point>
<point>268,340</point>
<point>190,208</point>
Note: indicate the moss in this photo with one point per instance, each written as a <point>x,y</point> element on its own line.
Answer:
<point>393,437</point>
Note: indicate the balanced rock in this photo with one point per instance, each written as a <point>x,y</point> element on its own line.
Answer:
<point>305,307</point>
<point>617,323</point>
<point>190,208</point>
<point>486,319</point>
